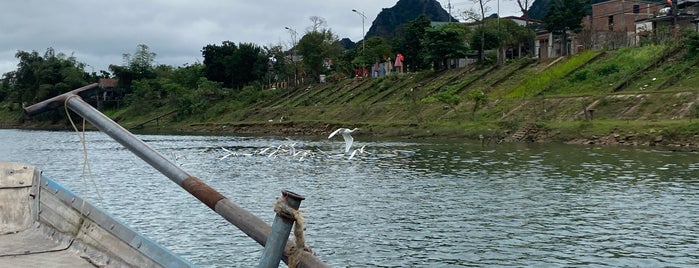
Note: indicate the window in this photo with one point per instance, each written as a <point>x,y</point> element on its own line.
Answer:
<point>610,23</point>
<point>636,9</point>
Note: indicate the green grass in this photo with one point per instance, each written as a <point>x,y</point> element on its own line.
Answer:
<point>538,82</point>
<point>602,76</point>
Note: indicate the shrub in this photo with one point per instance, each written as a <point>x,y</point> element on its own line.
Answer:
<point>607,69</point>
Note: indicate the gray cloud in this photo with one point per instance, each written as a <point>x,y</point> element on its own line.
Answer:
<point>99,32</point>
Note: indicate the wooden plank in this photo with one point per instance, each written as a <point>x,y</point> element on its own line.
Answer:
<point>15,175</point>
<point>57,214</point>
<point>57,259</point>
<point>15,202</point>
<point>102,241</point>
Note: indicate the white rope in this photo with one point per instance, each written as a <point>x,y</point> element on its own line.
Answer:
<point>86,170</point>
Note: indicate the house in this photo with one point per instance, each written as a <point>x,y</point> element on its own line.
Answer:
<point>111,95</point>
<point>613,22</point>
<point>667,23</point>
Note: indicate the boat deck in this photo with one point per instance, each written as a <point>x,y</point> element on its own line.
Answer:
<point>43,224</point>
<point>31,248</point>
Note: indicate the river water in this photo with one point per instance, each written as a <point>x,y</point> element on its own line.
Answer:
<point>400,203</point>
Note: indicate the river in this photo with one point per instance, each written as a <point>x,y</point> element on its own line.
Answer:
<point>399,203</point>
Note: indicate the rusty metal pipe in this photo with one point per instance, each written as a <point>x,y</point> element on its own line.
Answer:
<point>250,224</point>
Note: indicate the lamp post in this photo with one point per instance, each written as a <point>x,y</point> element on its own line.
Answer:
<point>293,51</point>
<point>363,33</point>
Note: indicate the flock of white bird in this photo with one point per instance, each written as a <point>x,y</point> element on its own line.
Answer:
<point>291,150</point>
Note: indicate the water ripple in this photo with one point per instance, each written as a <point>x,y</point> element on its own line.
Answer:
<point>401,204</point>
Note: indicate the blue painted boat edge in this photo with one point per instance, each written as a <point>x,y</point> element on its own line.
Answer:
<point>156,252</point>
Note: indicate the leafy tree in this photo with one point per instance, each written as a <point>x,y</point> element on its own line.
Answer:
<point>216,60</point>
<point>318,47</point>
<point>249,64</point>
<point>486,37</point>
<point>513,35</point>
<point>524,6</point>
<point>278,66</point>
<point>188,75</point>
<point>564,16</point>
<point>479,16</point>
<point>38,78</point>
<point>444,42</point>
<point>234,66</point>
<point>136,67</point>
<point>377,48</point>
<point>142,61</point>
<point>408,41</point>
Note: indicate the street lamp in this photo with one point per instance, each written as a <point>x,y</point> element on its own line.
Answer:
<point>293,51</point>
<point>363,17</point>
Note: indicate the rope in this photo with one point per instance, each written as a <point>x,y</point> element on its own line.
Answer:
<point>86,163</point>
<point>297,251</point>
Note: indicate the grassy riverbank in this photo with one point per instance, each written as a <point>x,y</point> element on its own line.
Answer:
<point>638,96</point>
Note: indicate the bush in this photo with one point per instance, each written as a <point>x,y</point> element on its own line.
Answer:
<point>607,69</point>
<point>579,76</point>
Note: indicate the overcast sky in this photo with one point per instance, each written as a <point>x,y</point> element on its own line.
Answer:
<point>99,32</point>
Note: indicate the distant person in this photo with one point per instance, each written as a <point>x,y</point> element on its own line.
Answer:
<point>388,66</point>
<point>399,62</point>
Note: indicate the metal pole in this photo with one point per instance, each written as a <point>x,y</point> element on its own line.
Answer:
<point>276,241</point>
<point>293,54</point>
<point>363,32</point>
<point>250,224</point>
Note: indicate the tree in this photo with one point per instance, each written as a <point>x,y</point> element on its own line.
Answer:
<point>248,65</point>
<point>487,37</point>
<point>38,78</point>
<point>377,48</point>
<point>318,47</point>
<point>278,66</point>
<point>524,8</point>
<point>565,16</point>
<point>479,16</point>
<point>234,65</point>
<point>444,42</point>
<point>513,35</point>
<point>136,67</point>
<point>215,61</point>
<point>408,41</point>
<point>142,61</point>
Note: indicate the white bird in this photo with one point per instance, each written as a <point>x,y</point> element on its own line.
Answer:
<point>360,151</point>
<point>230,153</point>
<point>347,135</point>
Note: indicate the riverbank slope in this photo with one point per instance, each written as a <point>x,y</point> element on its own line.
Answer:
<point>637,96</point>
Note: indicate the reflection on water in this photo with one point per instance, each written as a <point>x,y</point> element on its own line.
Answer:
<point>399,204</point>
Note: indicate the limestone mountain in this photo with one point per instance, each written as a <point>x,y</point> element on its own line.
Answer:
<point>390,19</point>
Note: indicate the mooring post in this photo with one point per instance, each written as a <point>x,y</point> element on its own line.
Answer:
<point>283,221</point>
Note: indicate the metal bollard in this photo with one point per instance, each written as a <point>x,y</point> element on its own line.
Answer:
<point>279,235</point>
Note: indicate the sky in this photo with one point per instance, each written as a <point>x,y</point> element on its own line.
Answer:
<point>99,32</point>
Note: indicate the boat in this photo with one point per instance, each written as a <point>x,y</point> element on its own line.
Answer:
<point>42,224</point>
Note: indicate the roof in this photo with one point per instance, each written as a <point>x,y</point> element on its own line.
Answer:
<point>108,82</point>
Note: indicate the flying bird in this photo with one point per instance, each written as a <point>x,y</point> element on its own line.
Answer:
<point>346,134</point>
